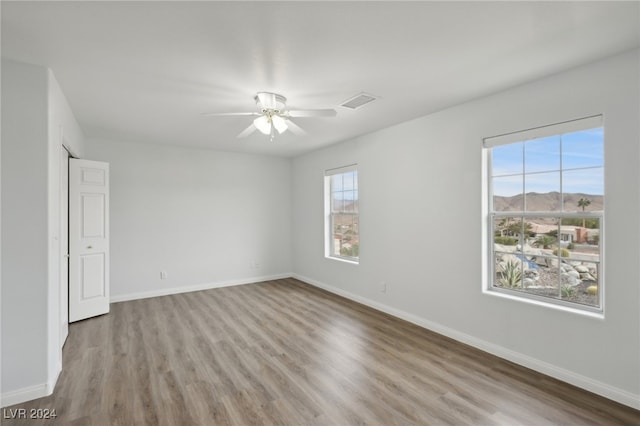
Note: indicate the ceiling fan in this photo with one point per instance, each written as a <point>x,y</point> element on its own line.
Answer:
<point>274,117</point>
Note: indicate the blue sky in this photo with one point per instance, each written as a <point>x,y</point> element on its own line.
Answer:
<point>344,181</point>
<point>344,190</point>
<point>582,162</point>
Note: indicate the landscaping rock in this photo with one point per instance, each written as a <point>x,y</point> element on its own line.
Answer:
<point>571,280</point>
<point>587,277</point>
<point>573,273</point>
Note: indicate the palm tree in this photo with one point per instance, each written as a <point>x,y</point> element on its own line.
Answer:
<point>545,241</point>
<point>503,225</point>
<point>584,202</point>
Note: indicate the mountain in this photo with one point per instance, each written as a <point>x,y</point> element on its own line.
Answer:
<point>547,202</point>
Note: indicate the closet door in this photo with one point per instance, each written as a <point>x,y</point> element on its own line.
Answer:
<point>88,239</point>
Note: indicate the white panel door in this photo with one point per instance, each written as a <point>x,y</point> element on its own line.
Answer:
<point>88,239</point>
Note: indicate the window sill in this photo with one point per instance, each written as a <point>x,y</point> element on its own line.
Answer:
<point>599,315</point>
<point>342,259</point>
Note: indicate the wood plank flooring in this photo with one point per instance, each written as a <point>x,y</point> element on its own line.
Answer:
<point>286,353</point>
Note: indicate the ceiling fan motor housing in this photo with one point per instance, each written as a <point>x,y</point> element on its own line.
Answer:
<point>270,102</point>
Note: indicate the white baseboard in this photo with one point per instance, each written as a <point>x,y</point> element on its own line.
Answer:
<point>197,287</point>
<point>31,392</point>
<point>587,383</point>
<point>25,394</point>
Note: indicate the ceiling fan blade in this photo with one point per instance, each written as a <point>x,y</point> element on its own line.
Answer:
<point>295,129</point>
<point>246,132</point>
<point>267,100</point>
<point>229,114</point>
<point>312,113</point>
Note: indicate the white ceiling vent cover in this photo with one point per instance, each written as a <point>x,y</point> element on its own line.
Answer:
<point>358,101</point>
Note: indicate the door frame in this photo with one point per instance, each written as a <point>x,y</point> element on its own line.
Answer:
<point>64,251</point>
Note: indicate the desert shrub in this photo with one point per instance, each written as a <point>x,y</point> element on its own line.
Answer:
<point>567,291</point>
<point>563,252</point>
<point>506,241</point>
<point>352,251</point>
<point>511,274</point>
<point>570,246</point>
<point>592,290</point>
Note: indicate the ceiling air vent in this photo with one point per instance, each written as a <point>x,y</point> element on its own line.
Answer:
<point>358,101</point>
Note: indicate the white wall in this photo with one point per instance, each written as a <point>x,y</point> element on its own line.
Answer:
<point>62,129</point>
<point>421,227</point>
<point>24,227</point>
<point>202,216</point>
<point>36,118</point>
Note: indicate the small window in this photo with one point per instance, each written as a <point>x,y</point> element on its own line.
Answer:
<point>546,213</point>
<point>342,214</point>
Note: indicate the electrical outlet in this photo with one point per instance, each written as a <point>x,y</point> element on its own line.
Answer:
<point>163,275</point>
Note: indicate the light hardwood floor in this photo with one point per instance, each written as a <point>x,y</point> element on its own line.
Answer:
<point>283,352</point>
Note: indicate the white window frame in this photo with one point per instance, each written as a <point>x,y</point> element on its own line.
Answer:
<point>490,216</point>
<point>329,241</point>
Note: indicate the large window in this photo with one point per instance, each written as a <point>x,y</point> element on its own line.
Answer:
<point>342,218</point>
<point>546,212</point>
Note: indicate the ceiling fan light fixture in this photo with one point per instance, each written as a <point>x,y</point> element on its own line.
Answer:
<point>279,123</point>
<point>263,124</point>
<point>274,116</point>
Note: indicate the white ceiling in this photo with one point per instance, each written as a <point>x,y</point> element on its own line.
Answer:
<point>146,71</point>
